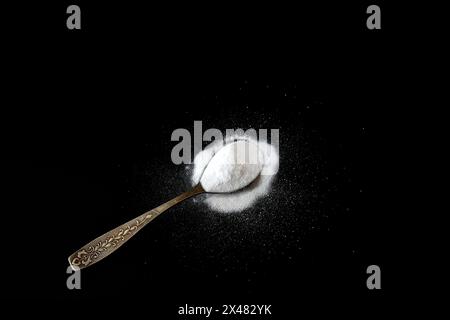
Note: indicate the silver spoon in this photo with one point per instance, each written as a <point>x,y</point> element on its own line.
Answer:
<point>109,242</point>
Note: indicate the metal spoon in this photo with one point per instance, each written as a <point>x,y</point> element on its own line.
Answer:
<point>109,242</point>
<point>106,244</point>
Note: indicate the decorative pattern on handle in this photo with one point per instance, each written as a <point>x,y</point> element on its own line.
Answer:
<point>107,243</point>
<point>103,246</point>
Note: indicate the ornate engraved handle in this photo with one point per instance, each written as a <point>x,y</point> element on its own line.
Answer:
<point>109,242</point>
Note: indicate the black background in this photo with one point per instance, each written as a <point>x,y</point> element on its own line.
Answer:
<point>93,112</point>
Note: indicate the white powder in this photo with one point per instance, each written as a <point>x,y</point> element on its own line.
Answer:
<point>244,167</point>
<point>232,168</point>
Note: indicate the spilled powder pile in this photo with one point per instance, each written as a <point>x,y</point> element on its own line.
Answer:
<point>236,172</point>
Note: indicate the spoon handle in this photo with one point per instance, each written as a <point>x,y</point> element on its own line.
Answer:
<point>109,242</point>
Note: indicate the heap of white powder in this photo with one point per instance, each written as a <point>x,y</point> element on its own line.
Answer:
<point>236,172</point>
<point>232,168</point>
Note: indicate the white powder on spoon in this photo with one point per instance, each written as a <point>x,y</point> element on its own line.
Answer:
<point>237,173</point>
<point>232,168</point>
